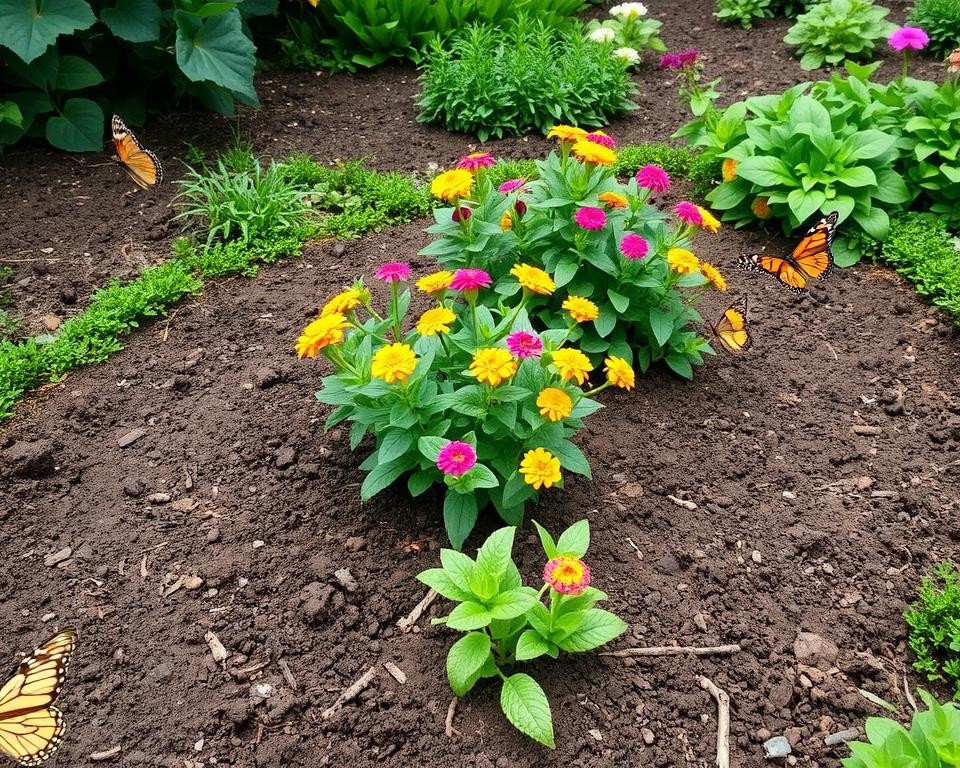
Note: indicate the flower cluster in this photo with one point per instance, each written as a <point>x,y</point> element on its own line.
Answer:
<point>628,32</point>
<point>682,60</point>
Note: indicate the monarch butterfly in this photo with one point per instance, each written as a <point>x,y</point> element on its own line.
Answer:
<point>140,163</point>
<point>31,729</point>
<point>811,258</point>
<point>731,329</point>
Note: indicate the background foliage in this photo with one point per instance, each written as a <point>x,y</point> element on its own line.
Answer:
<point>940,19</point>
<point>834,30</point>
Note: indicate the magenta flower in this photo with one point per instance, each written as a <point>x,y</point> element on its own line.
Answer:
<point>912,38</point>
<point>599,137</point>
<point>523,345</point>
<point>669,61</point>
<point>687,58</point>
<point>633,246</point>
<point>589,217</point>
<point>393,271</point>
<point>512,185</point>
<point>475,161</point>
<point>654,178</point>
<point>688,213</point>
<point>470,280</point>
<point>456,458</point>
<point>462,213</point>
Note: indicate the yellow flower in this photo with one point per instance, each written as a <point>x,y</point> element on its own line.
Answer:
<point>566,133</point>
<point>619,372</point>
<point>582,310</point>
<point>761,208</point>
<point>533,279</point>
<point>554,403</point>
<point>435,282</point>
<point>506,221</point>
<point>393,362</point>
<point>594,153</point>
<point>321,333</point>
<point>452,185</point>
<point>342,303</point>
<point>713,275</point>
<point>493,366</point>
<point>572,364</point>
<point>729,169</point>
<point>540,468</point>
<point>614,200</point>
<point>682,261</point>
<point>709,223</point>
<point>436,320</point>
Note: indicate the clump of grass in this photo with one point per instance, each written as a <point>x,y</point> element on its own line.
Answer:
<point>8,323</point>
<point>934,622</point>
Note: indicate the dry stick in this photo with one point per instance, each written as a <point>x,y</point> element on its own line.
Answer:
<point>906,689</point>
<point>407,622</point>
<point>448,723</point>
<point>287,674</point>
<point>723,721</point>
<point>362,682</point>
<point>674,650</point>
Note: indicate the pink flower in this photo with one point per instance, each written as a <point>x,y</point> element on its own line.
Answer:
<point>475,161</point>
<point>669,61</point>
<point>463,213</point>
<point>520,207</point>
<point>599,137</point>
<point>393,271</point>
<point>913,38</point>
<point>456,458</point>
<point>523,345</point>
<point>470,280</point>
<point>687,58</point>
<point>567,575</point>
<point>589,217</point>
<point>654,178</point>
<point>633,246</point>
<point>512,185</point>
<point>688,213</point>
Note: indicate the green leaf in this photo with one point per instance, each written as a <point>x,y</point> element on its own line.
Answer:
<point>575,540</point>
<point>79,127</point>
<point>430,446</point>
<point>419,482</point>
<point>10,113</point>
<point>532,645</point>
<point>75,74</point>
<point>465,660</point>
<point>572,458</point>
<point>619,301</point>
<point>216,49</point>
<point>805,204</point>
<point>494,554</point>
<point>766,171</point>
<point>525,705</point>
<point>867,145</point>
<point>458,566</point>
<point>512,603</point>
<point>459,516</point>
<point>395,443</point>
<point>439,579</point>
<point>857,176</point>
<point>680,364</point>
<point>382,476</point>
<point>29,27</point>
<point>661,322</point>
<point>546,541</point>
<point>468,616</point>
<point>596,628</point>
<point>136,21</point>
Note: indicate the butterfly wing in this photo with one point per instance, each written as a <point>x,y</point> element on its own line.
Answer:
<point>141,164</point>
<point>784,269</point>
<point>731,329</point>
<point>813,254</point>
<point>30,727</point>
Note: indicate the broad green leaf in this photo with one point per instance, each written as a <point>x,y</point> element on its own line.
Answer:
<point>494,554</point>
<point>575,540</point>
<point>512,603</point>
<point>619,301</point>
<point>468,616</point>
<point>439,579</point>
<point>10,113</point>
<point>419,482</point>
<point>766,171</point>
<point>857,176</point>
<point>680,364</point>
<point>79,127</point>
<point>458,566</point>
<point>661,322</point>
<point>216,49</point>
<point>874,222</point>
<point>525,705</point>
<point>459,516</point>
<point>866,145</point>
<point>395,443</point>
<point>546,540</point>
<point>29,27</point>
<point>75,74</point>
<point>532,645</point>
<point>382,476</point>
<point>805,204</point>
<point>596,628</point>
<point>430,446</point>
<point>572,458</point>
<point>465,660</point>
<point>136,21</point>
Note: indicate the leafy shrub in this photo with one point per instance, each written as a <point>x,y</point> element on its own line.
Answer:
<point>62,64</point>
<point>933,740</point>
<point>835,30</point>
<point>507,623</point>
<point>934,622</point>
<point>940,19</point>
<point>493,81</point>
<point>743,12</point>
<point>600,240</point>
<point>627,32</point>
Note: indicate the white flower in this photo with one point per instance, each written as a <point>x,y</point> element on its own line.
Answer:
<point>629,10</point>
<point>629,55</point>
<point>602,35</point>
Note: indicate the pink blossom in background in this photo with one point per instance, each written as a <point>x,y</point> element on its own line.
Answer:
<point>456,458</point>
<point>475,161</point>
<point>470,280</point>
<point>633,246</point>
<point>393,271</point>
<point>654,178</point>
<point>688,213</point>
<point>512,185</point>
<point>669,61</point>
<point>589,217</point>
<point>912,38</point>
<point>687,58</point>
<point>523,345</point>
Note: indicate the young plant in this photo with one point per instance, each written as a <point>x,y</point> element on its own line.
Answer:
<point>835,30</point>
<point>743,12</point>
<point>468,397</point>
<point>934,622</point>
<point>627,32</point>
<point>940,19</point>
<point>507,623</point>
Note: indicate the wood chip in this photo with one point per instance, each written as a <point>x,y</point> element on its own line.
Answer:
<point>350,693</point>
<point>674,650</point>
<point>395,671</point>
<point>287,673</point>
<point>217,649</point>
<point>408,621</point>
<point>682,502</point>
<point>448,723</point>
<point>107,754</point>
<point>866,430</point>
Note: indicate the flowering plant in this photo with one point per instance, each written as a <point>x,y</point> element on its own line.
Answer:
<point>466,397</point>
<point>624,268</point>
<point>507,623</point>
<point>628,32</point>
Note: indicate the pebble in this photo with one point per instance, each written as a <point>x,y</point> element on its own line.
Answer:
<point>259,543</point>
<point>632,490</point>
<point>265,377</point>
<point>776,747</point>
<point>55,558</point>
<point>192,582</point>
<point>841,737</point>
<point>866,429</point>
<point>815,651</point>
<point>213,535</point>
<point>260,692</point>
<point>596,734</point>
<point>647,735</point>
<point>286,457</point>
<point>51,322</point>
<point>134,487</point>
<point>48,617</point>
<point>345,579</point>
<point>355,544</point>
<point>131,437</point>
<point>158,498</point>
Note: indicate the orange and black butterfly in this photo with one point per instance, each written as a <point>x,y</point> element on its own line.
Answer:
<point>732,327</point>
<point>142,165</point>
<point>811,258</point>
<point>31,728</point>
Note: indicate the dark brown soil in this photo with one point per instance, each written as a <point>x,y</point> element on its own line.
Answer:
<point>800,523</point>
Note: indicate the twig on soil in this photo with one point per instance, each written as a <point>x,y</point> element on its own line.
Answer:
<point>723,721</point>
<point>448,723</point>
<point>362,682</point>
<point>143,568</point>
<point>682,502</point>
<point>407,622</point>
<point>906,689</point>
<point>398,674</point>
<point>674,650</point>
<point>635,548</point>
<point>832,350</point>
<point>287,674</point>
<point>106,754</point>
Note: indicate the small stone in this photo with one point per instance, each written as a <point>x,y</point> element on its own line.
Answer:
<point>345,579</point>
<point>632,490</point>
<point>68,294</point>
<point>762,734</point>
<point>47,617</point>
<point>131,437</point>
<point>192,582</point>
<point>355,544</point>
<point>213,535</point>
<point>134,487</point>
<point>815,651</point>
<point>51,322</point>
<point>161,671</point>
<point>792,735</point>
<point>701,621</point>
<point>756,557</point>
<point>265,377</point>
<point>158,498</point>
<point>260,692</point>
<point>841,737</point>
<point>259,543</point>
<point>781,694</point>
<point>55,558</point>
<point>286,457</point>
<point>776,747</point>
<point>866,430</point>
<point>789,495</point>
<point>596,734</point>
<point>647,735</point>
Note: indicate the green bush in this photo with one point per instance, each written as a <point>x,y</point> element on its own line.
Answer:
<point>64,62</point>
<point>743,12</point>
<point>835,30</point>
<point>492,81</point>
<point>934,622</point>
<point>932,137</point>
<point>940,19</point>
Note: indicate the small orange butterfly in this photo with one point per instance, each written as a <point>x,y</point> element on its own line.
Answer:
<point>811,258</point>
<point>141,164</point>
<point>731,329</point>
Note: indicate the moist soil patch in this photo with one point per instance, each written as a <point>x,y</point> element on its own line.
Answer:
<point>198,451</point>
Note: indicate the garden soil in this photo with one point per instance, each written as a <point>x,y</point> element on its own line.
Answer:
<point>788,500</point>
